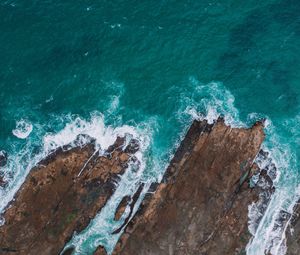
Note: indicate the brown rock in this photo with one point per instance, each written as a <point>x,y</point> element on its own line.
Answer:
<point>100,251</point>
<point>2,182</point>
<point>201,207</point>
<point>3,158</point>
<point>62,194</point>
<point>293,233</point>
<point>121,207</point>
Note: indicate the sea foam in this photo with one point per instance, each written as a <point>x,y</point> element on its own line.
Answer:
<point>269,229</point>
<point>23,129</point>
<point>25,159</point>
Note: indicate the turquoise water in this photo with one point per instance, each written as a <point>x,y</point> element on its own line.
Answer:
<point>148,68</point>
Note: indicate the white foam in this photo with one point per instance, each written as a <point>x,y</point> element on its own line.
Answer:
<point>210,101</point>
<point>100,228</point>
<point>95,128</point>
<point>22,162</point>
<point>199,101</point>
<point>268,235</point>
<point>23,129</point>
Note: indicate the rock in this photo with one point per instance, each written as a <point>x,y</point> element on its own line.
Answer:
<point>2,182</point>
<point>201,206</point>
<point>121,208</point>
<point>133,146</point>
<point>3,158</point>
<point>293,232</point>
<point>68,251</point>
<point>59,196</point>
<point>100,251</point>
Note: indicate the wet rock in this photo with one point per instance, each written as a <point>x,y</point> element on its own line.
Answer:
<point>59,196</point>
<point>262,182</point>
<point>201,207</point>
<point>2,182</point>
<point>293,232</point>
<point>68,251</point>
<point>3,158</point>
<point>133,146</point>
<point>132,203</point>
<point>121,207</point>
<point>100,251</point>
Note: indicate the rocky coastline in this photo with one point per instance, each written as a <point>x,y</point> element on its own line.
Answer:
<point>61,195</point>
<point>200,207</point>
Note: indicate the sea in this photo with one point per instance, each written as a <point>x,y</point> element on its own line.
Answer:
<point>146,69</point>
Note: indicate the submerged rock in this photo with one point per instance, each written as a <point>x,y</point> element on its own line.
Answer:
<point>2,182</point>
<point>59,196</point>
<point>201,207</point>
<point>100,251</point>
<point>3,162</point>
<point>3,158</point>
<point>121,208</point>
<point>293,233</point>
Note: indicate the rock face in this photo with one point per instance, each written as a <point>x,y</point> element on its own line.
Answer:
<point>201,207</point>
<point>3,158</point>
<point>3,162</point>
<point>121,208</point>
<point>293,233</point>
<point>60,195</point>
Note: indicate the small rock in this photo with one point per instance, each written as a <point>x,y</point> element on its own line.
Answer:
<point>121,207</point>
<point>2,182</point>
<point>3,158</point>
<point>133,146</point>
<point>100,251</point>
<point>68,251</point>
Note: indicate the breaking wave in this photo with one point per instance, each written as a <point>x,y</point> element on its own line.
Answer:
<point>105,135</point>
<point>194,100</point>
<point>23,129</point>
<point>268,230</point>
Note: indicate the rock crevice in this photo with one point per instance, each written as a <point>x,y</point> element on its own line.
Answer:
<point>201,207</point>
<point>60,195</point>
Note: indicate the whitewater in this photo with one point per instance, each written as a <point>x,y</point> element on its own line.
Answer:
<point>209,101</point>
<point>146,70</point>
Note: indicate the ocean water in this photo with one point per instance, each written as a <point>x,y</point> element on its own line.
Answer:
<point>146,69</point>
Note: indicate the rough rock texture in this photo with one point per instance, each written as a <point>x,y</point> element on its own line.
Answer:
<point>293,232</point>
<point>121,207</point>
<point>100,251</point>
<point>3,162</point>
<point>62,194</point>
<point>3,158</point>
<point>2,182</point>
<point>201,207</point>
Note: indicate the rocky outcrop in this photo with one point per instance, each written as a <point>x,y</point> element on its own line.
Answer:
<point>121,207</point>
<point>293,232</point>
<point>3,158</point>
<point>100,251</point>
<point>201,207</point>
<point>60,195</point>
<point>2,182</point>
<point>3,162</point>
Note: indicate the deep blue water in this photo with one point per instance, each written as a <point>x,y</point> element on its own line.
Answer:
<point>151,65</point>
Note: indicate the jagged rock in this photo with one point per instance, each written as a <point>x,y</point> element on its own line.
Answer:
<point>100,251</point>
<point>60,195</point>
<point>2,182</point>
<point>3,162</point>
<point>201,207</point>
<point>3,158</point>
<point>293,232</point>
<point>121,207</point>
<point>68,251</point>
